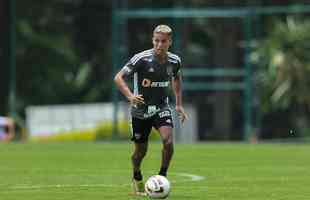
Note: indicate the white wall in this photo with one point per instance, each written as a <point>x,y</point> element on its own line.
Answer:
<point>48,120</point>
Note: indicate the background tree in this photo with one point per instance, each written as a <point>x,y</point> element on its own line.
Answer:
<point>284,67</point>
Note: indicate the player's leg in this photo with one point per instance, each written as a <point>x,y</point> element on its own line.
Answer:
<point>139,153</point>
<point>167,150</point>
<point>140,150</point>
<point>140,132</point>
<point>164,124</point>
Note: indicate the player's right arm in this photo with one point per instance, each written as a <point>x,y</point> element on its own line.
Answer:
<point>123,87</point>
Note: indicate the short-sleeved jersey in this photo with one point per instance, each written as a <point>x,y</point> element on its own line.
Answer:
<point>152,80</point>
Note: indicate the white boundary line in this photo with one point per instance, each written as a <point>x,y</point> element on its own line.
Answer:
<point>192,178</point>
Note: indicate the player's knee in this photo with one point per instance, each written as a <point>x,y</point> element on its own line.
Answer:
<point>168,140</point>
<point>168,143</point>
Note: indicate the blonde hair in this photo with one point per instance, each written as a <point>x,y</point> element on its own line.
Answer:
<point>163,29</point>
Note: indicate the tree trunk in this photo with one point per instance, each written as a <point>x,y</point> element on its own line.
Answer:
<point>4,69</point>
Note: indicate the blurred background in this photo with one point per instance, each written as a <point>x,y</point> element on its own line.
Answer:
<point>246,67</point>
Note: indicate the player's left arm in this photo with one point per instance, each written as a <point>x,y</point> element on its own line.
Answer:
<point>177,88</point>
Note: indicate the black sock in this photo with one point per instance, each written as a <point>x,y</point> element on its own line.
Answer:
<point>163,171</point>
<point>137,175</point>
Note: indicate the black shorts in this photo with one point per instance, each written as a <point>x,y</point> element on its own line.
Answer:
<point>141,128</point>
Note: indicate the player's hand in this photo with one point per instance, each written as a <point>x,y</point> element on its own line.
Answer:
<point>182,115</point>
<point>136,99</point>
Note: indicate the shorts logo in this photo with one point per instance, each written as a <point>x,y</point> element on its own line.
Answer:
<point>165,113</point>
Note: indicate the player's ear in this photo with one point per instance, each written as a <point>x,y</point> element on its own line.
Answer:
<point>170,42</point>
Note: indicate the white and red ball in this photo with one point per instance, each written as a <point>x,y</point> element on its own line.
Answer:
<point>157,187</point>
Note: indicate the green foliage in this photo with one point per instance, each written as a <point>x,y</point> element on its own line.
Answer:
<point>283,62</point>
<point>53,69</point>
<point>56,54</point>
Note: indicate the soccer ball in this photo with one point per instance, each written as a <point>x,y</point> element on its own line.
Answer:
<point>157,187</point>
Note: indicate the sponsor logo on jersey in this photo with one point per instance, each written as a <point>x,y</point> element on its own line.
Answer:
<point>148,83</point>
<point>152,109</point>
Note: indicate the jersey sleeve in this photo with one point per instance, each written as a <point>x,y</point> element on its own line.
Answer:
<point>131,66</point>
<point>177,68</point>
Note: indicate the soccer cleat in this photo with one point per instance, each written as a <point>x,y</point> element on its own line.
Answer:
<point>138,187</point>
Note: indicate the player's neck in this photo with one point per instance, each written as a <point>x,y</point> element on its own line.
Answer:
<point>161,58</point>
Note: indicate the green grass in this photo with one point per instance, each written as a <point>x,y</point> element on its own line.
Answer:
<point>102,171</point>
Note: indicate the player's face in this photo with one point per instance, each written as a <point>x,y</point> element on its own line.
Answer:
<point>161,43</point>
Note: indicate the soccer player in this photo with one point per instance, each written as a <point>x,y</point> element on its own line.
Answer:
<point>7,129</point>
<point>153,71</point>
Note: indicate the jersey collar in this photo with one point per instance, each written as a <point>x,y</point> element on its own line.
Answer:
<point>156,59</point>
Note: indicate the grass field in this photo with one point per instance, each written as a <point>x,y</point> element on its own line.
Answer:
<point>102,171</point>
